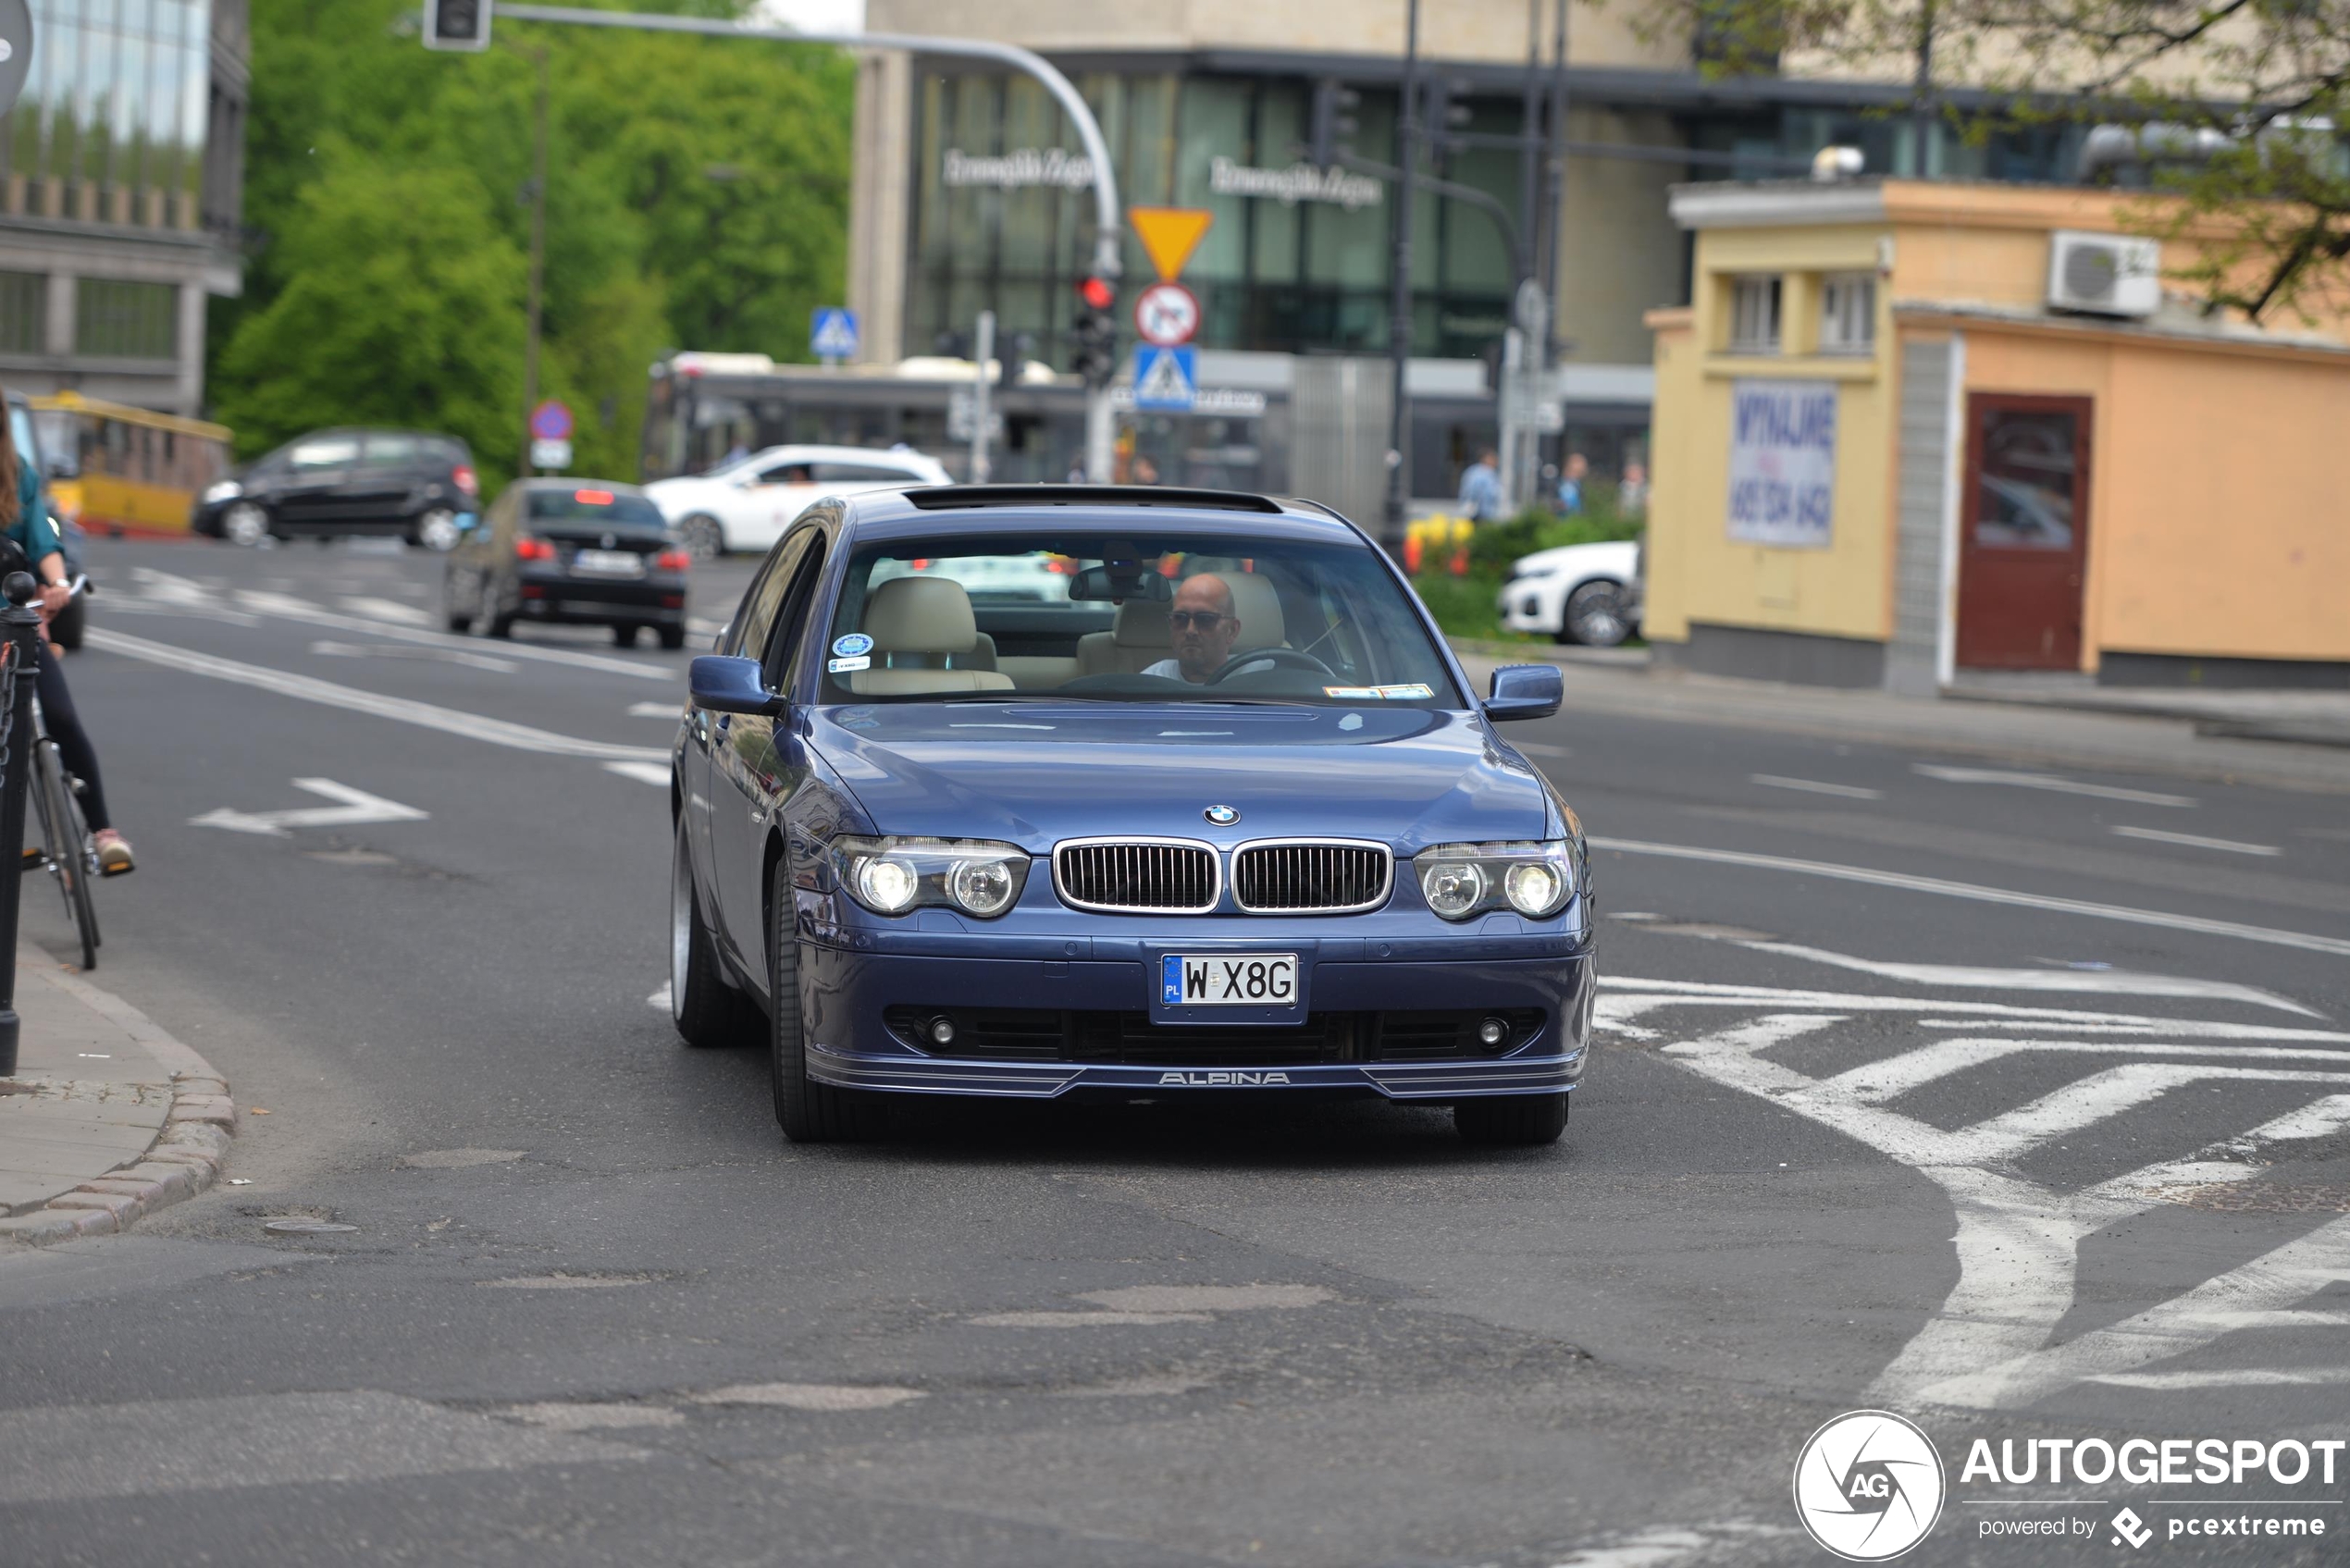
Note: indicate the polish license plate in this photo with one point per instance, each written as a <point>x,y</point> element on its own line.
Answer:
<point>608,563</point>
<point>1228,979</point>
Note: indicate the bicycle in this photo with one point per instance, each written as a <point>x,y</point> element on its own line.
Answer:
<point>68,850</point>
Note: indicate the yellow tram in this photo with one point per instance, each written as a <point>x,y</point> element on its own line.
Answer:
<point>122,470</point>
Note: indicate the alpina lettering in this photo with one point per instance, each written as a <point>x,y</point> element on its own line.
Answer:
<point>1220,1080</point>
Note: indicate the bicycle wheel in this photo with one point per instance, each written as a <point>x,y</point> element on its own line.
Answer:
<point>67,840</point>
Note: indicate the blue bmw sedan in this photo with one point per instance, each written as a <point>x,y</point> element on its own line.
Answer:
<point>1064,791</point>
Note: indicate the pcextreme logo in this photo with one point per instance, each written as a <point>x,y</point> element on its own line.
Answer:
<point>1868,1485</point>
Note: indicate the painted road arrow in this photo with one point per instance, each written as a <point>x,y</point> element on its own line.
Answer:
<point>357,806</point>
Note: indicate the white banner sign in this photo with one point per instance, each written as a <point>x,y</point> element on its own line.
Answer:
<point>1782,461</point>
<point>1020,167</point>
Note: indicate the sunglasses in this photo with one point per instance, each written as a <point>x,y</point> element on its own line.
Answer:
<point>1201,620</point>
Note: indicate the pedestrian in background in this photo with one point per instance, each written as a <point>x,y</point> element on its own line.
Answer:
<point>1571,483</point>
<point>1632,495</point>
<point>1482,488</point>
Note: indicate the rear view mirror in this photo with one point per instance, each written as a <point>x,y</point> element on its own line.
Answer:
<point>1525,691</point>
<point>1121,583</point>
<point>725,685</point>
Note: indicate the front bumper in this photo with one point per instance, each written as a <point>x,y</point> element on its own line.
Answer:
<point>1085,1021</point>
<point>1524,605</point>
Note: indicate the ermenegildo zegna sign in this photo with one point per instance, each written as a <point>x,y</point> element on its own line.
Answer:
<point>1057,168</point>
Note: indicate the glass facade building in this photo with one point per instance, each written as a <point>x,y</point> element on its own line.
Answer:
<point>112,125</point>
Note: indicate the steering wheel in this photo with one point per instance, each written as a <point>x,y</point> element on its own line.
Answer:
<point>1291,658</point>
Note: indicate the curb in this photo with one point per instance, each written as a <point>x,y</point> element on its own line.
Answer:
<point>185,1158</point>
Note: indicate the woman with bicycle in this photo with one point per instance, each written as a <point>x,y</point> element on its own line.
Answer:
<point>24,508</point>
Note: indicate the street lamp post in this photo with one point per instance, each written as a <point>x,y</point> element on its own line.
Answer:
<point>1107,262</point>
<point>1399,349</point>
<point>538,255</point>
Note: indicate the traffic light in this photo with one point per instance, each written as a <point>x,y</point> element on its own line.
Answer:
<point>1443,117</point>
<point>1334,122</point>
<point>457,24</point>
<point>1095,332</point>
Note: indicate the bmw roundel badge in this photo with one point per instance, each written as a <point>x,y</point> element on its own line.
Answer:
<point>1222,816</point>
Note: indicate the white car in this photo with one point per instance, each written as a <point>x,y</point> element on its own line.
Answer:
<point>747,505</point>
<point>1576,593</point>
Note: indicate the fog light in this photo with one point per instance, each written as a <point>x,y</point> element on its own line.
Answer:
<point>1492,1031</point>
<point>942,1031</point>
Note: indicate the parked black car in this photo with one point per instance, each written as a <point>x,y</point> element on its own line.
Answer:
<point>570,551</point>
<point>402,483</point>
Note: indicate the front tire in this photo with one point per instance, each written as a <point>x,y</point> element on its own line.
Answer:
<point>709,1013</point>
<point>1596,614</point>
<point>703,535</point>
<point>1511,1120</point>
<point>808,1112</point>
<point>437,530</point>
<point>244,524</point>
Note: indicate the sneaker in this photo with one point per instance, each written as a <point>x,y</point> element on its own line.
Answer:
<point>113,853</point>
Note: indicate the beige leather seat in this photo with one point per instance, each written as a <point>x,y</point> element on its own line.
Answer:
<point>920,628</point>
<point>1138,637</point>
<point>1259,609</point>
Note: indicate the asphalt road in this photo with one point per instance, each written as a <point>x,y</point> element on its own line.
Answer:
<point>2015,1099</point>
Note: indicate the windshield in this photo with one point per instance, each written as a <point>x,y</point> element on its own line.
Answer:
<point>594,508</point>
<point>1133,618</point>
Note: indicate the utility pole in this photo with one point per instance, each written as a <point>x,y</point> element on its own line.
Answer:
<point>1399,414</point>
<point>986,352</point>
<point>537,254</point>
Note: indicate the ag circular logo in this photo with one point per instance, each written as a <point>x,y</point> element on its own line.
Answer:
<point>1868,1485</point>
<point>1222,816</point>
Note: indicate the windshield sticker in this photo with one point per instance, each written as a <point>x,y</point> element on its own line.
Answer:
<point>841,666</point>
<point>1414,691</point>
<point>852,645</point>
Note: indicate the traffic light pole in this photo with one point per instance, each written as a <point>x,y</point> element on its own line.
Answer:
<point>1099,420</point>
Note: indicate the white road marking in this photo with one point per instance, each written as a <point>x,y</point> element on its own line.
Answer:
<point>2018,1241</point>
<point>2195,923</point>
<point>1966,977</point>
<point>826,1397</point>
<point>358,807</point>
<point>1977,1015</point>
<point>1814,786</point>
<point>1208,1298</point>
<point>2197,840</point>
<point>655,709</point>
<point>561,1415</point>
<point>1104,1319</point>
<point>459,656</point>
<point>2250,1378</point>
<point>449,721</point>
<point>387,609</point>
<point>2049,782</point>
<point>659,998</point>
<point>643,773</point>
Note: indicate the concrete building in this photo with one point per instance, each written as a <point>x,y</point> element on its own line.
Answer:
<point>970,194</point>
<point>123,184</point>
<point>1916,435</point>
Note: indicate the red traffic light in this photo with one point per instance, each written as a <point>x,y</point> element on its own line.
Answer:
<point>1096,293</point>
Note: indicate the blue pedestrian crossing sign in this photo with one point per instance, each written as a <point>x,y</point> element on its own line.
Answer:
<point>831,332</point>
<point>1166,380</point>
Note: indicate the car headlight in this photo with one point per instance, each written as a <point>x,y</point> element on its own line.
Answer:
<point>890,876</point>
<point>1463,880</point>
<point>228,490</point>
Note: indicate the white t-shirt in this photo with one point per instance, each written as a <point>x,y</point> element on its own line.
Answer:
<point>1173,669</point>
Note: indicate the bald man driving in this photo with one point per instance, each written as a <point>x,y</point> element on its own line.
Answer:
<point>1204,629</point>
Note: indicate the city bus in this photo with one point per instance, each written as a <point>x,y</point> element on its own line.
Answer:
<point>124,470</point>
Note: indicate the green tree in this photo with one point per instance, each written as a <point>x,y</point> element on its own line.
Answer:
<point>697,198</point>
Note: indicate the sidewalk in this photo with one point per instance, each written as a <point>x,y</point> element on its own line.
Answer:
<point>2126,735</point>
<point>107,1118</point>
<point>2309,718</point>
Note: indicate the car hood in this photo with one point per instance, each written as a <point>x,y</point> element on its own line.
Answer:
<point>1605,555</point>
<point>1034,774</point>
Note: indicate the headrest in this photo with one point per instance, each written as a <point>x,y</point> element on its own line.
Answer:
<point>1259,609</point>
<point>1141,623</point>
<point>920,615</point>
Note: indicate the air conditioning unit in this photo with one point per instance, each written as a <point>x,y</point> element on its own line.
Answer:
<point>2104,274</point>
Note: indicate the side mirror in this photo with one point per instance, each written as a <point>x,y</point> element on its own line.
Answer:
<point>724,684</point>
<point>1525,691</point>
